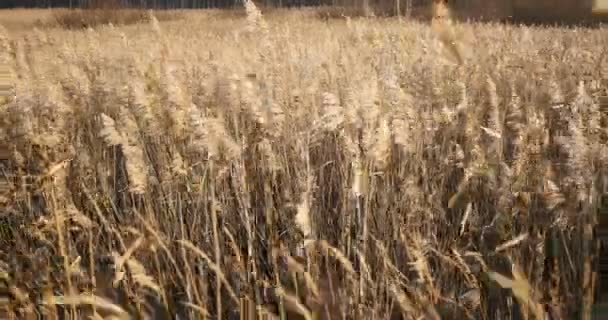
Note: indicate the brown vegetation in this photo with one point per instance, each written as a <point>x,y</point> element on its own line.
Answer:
<point>86,18</point>
<point>362,168</point>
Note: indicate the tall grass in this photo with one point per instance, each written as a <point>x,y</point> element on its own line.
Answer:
<point>358,167</point>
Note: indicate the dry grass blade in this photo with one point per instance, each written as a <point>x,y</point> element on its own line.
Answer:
<point>521,289</point>
<point>213,267</point>
<point>202,311</point>
<point>513,242</point>
<point>120,260</point>
<point>492,133</point>
<point>404,302</point>
<point>296,266</point>
<point>346,264</point>
<point>465,217</point>
<point>86,299</point>
<point>161,243</point>
<point>141,277</point>
<point>294,304</point>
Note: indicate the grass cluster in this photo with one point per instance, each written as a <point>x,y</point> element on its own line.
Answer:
<point>365,168</point>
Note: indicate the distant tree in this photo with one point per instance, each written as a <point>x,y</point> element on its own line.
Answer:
<point>377,5</point>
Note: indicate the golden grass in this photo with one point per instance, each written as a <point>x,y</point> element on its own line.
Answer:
<point>18,20</point>
<point>367,168</point>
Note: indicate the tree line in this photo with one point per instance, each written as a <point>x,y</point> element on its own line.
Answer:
<point>199,4</point>
<point>147,4</point>
<point>159,4</point>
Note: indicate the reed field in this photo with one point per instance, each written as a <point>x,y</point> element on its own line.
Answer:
<point>318,168</point>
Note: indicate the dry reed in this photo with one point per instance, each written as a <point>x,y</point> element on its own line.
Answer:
<point>406,170</point>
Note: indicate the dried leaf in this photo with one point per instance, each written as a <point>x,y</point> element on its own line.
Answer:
<point>465,217</point>
<point>492,133</point>
<point>513,242</point>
